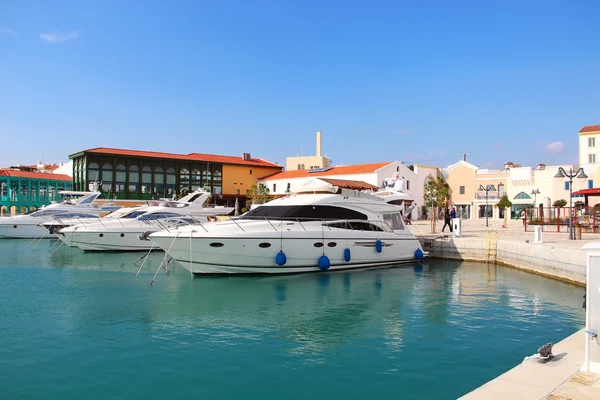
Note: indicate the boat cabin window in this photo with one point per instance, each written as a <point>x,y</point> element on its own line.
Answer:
<point>76,215</point>
<point>303,213</point>
<point>355,225</point>
<point>157,215</point>
<point>134,214</point>
<point>394,221</point>
<point>397,202</point>
<point>88,200</point>
<point>44,213</point>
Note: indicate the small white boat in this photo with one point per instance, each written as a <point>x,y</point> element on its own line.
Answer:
<point>74,205</point>
<point>128,232</point>
<point>314,229</point>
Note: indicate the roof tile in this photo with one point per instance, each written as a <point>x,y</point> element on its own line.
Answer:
<point>259,162</point>
<point>590,128</point>
<point>340,170</point>
<point>13,173</point>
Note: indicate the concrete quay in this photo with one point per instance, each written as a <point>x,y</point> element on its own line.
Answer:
<point>556,257</point>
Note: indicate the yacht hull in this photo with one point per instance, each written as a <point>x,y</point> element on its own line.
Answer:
<point>216,256</point>
<point>125,240</point>
<point>20,230</point>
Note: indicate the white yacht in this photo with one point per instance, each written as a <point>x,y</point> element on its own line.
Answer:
<point>317,228</point>
<point>128,233</point>
<point>74,205</point>
<point>58,222</point>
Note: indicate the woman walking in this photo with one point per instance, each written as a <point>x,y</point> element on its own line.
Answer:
<point>447,220</point>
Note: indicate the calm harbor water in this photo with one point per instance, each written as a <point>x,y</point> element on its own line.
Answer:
<point>81,325</point>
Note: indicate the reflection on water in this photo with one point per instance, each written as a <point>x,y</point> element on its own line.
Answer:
<point>352,334</point>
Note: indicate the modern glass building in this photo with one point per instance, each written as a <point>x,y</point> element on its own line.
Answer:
<point>133,174</point>
<point>22,190</point>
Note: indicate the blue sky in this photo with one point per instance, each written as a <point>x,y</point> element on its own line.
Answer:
<point>415,81</point>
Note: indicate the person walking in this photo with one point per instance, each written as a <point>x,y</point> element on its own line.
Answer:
<point>447,220</point>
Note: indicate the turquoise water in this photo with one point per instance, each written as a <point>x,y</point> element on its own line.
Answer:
<point>81,325</point>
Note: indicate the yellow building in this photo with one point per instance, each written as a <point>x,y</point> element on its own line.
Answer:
<point>308,162</point>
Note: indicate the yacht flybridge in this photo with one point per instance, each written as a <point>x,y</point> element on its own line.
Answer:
<point>74,204</point>
<point>128,232</point>
<point>317,228</point>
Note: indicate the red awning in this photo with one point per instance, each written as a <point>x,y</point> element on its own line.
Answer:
<point>588,192</point>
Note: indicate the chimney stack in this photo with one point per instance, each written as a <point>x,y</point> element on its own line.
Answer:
<point>318,143</point>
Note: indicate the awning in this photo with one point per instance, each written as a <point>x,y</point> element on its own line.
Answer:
<point>588,192</point>
<point>349,184</point>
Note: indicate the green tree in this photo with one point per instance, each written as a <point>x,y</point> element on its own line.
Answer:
<point>257,195</point>
<point>504,203</point>
<point>559,203</point>
<point>437,194</point>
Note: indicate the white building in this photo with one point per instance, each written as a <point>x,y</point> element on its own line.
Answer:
<point>589,143</point>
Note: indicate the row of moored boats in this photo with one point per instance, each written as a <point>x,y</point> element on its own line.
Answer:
<point>319,227</point>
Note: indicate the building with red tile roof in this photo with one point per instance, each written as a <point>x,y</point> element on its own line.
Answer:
<point>23,189</point>
<point>138,174</point>
<point>589,143</point>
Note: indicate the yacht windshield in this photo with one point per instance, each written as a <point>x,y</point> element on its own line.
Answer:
<point>303,213</point>
<point>157,215</point>
<point>134,214</point>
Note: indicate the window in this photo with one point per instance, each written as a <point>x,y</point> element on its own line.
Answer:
<point>567,185</point>
<point>121,178</point>
<point>590,183</point>
<point>93,172</point>
<point>274,188</point>
<point>407,185</point>
<point>304,213</point>
<point>523,196</point>
<point>184,179</point>
<point>288,187</point>
<point>134,178</point>
<point>592,158</point>
<point>159,181</point>
<point>592,142</point>
<point>250,172</point>
<point>299,166</point>
<point>171,178</point>
<point>107,177</point>
<point>461,190</point>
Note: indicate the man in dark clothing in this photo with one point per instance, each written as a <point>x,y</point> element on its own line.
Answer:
<point>447,220</point>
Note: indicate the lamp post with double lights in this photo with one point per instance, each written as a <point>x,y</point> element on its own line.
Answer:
<point>535,192</point>
<point>486,189</point>
<point>562,173</point>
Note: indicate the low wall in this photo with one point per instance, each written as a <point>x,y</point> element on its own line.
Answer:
<point>562,263</point>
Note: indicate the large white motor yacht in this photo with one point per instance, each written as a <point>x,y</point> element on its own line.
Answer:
<point>128,233</point>
<point>317,228</point>
<point>74,205</point>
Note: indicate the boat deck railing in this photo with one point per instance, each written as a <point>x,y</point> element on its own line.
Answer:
<point>279,224</point>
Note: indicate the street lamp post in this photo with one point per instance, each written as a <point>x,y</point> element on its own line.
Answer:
<point>486,189</point>
<point>535,192</point>
<point>580,173</point>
